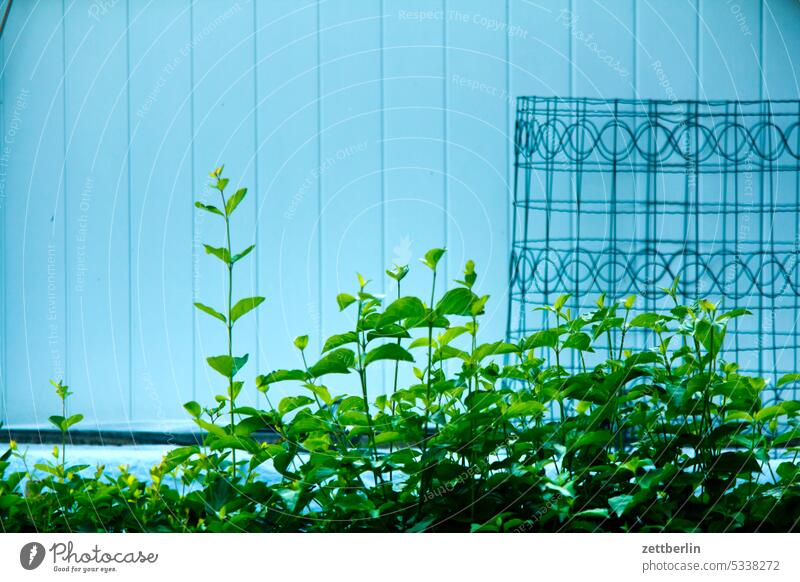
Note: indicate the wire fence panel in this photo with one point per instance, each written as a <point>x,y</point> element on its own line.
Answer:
<point>621,196</point>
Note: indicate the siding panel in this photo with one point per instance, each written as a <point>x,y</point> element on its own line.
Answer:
<point>161,209</point>
<point>33,200</point>
<point>350,157</point>
<point>289,177</point>
<point>223,124</point>
<point>97,212</point>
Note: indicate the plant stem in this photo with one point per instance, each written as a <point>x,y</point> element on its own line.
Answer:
<point>63,436</point>
<point>394,390</point>
<point>470,450</point>
<point>362,374</point>
<point>230,324</point>
<point>423,478</point>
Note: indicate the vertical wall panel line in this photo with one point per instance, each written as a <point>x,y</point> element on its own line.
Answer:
<point>761,31</point>
<point>445,138</point>
<point>320,310</point>
<point>256,190</point>
<point>571,44</point>
<point>130,220</point>
<point>698,51</point>
<point>65,184</point>
<point>192,194</point>
<point>3,231</point>
<point>634,40</point>
<point>509,128</point>
<point>384,234</point>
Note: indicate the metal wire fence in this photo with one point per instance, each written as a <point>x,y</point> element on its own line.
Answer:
<point>621,196</point>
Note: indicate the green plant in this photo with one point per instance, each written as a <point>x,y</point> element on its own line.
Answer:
<point>575,427</point>
<point>63,422</point>
<point>227,365</point>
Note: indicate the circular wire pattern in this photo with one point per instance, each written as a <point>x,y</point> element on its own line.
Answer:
<point>595,214</point>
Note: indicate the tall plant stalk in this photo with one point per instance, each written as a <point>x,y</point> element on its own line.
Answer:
<point>430,260</point>
<point>362,374</point>
<point>228,365</point>
<point>63,422</point>
<point>397,274</point>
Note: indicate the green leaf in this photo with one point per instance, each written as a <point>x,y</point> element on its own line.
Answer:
<point>72,420</point>
<point>244,306</point>
<point>281,376</point>
<point>527,408</point>
<point>447,352</point>
<point>339,361</point>
<point>211,311</point>
<point>430,319</point>
<point>193,408</point>
<point>58,422</point>
<point>226,365</point>
<point>451,334</point>
<point>592,438</point>
<point>251,424</point>
<point>598,512</point>
<point>339,340</point>
<point>388,437</point>
<point>788,378</point>
<point>398,272</point>
<point>293,402</point>
<point>239,442</point>
<point>387,352</point>
<point>344,300</point>
<point>478,306</point>
<point>304,422</point>
<point>221,253</point>
<point>353,418</point>
<point>301,342</point>
<point>48,469</point>
<point>561,301</point>
<point>579,341</point>
<point>209,208</point>
<point>402,308</point>
<point>422,342</point>
<point>542,339</point>
<point>770,412</point>
<point>61,389</point>
<point>211,428</point>
<point>710,335</point>
<point>234,390</point>
<point>493,349</point>
<point>234,200</point>
<point>707,306</point>
<point>738,312</point>
<point>456,302</point>
<point>432,258</point>
<point>177,456</point>
<point>243,254</point>
<point>648,320</point>
<point>321,393</point>
<point>620,503</point>
<point>607,324</point>
<point>392,331</point>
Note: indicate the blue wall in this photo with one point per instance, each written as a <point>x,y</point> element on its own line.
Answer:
<point>367,132</point>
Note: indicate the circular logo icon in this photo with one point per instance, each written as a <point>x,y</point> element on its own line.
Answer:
<point>31,555</point>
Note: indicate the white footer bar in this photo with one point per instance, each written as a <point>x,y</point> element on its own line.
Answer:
<point>389,558</point>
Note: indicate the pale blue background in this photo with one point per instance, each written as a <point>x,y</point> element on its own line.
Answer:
<point>366,130</point>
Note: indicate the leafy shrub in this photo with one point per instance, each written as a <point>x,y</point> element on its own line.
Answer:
<point>484,436</point>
